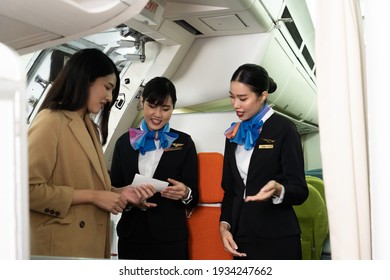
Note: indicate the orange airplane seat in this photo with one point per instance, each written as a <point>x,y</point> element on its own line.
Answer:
<point>203,223</point>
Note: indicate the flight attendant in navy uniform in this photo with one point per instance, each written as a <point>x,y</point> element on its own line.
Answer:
<point>263,174</point>
<point>157,229</point>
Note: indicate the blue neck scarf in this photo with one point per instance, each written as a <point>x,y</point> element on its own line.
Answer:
<point>246,132</point>
<point>143,139</point>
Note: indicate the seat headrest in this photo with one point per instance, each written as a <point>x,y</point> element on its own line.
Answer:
<point>210,166</point>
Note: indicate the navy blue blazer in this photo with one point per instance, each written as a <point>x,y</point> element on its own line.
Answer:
<point>277,156</point>
<point>168,219</point>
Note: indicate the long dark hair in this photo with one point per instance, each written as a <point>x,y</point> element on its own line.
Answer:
<point>71,87</point>
<point>256,77</point>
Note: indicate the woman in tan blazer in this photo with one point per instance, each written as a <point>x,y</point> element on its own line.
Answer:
<point>70,190</point>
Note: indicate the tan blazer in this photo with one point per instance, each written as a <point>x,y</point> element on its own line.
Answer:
<point>65,154</point>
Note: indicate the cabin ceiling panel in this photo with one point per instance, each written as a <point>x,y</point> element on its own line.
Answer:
<point>221,18</point>
<point>46,21</point>
<point>223,23</point>
<point>183,8</point>
<point>54,16</point>
<point>16,34</point>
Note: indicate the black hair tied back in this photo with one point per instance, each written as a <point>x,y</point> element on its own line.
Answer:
<point>272,85</point>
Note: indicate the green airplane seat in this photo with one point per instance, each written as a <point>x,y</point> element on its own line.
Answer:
<point>313,220</point>
<point>318,184</point>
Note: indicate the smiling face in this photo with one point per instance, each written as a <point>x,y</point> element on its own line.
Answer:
<point>246,103</point>
<point>157,116</point>
<point>100,93</point>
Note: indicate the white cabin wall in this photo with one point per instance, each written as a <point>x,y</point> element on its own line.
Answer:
<point>205,71</point>
<point>206,129</point>
<point>377,61</point>
<point>311,151</point>
<point>14,243</point>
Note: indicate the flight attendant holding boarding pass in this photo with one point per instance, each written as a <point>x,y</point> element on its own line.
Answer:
<point>157,228</point>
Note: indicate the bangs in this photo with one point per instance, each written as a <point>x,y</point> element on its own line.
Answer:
<point>157,100</point>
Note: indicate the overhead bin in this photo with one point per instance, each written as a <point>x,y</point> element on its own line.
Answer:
<point>289,60</point>
<point>312,114</point>
<point>295,95</point>
<point>47,23</point>
<point>279,66</point>
<point>303,95</point>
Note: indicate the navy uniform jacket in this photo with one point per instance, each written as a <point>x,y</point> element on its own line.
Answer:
<point>168,220</point>
<point>277,156</point>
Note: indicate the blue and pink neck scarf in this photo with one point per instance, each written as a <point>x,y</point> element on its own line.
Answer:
<point>246,132</point>
<point>143,139</point>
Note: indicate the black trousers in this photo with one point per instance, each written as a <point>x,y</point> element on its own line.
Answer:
<point>287,248</point>
<point>142,245</point>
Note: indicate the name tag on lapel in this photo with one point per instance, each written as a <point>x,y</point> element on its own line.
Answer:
<point>266,146</point>
<point>175,147</point>
<point>268,143</point>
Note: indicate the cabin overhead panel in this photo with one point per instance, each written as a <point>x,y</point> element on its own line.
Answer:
<point>204,18</point>
<point>28,25</point>
<point>226,18</point>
